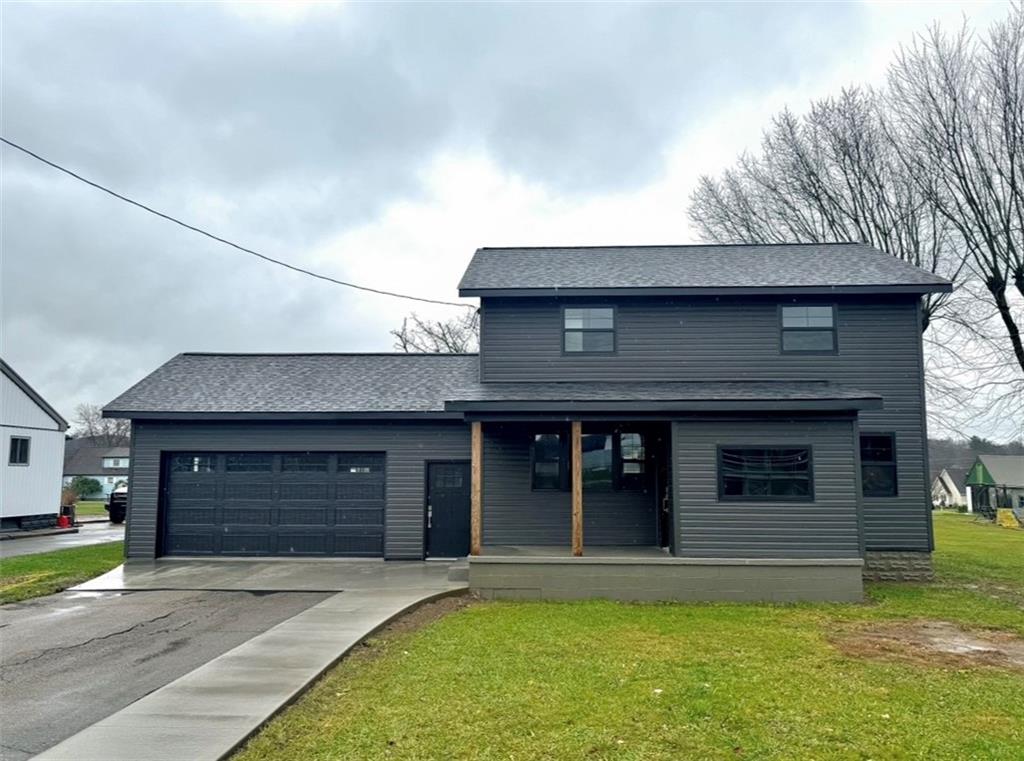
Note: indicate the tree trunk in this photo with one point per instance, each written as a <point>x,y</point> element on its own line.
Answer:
<point>998,290</point>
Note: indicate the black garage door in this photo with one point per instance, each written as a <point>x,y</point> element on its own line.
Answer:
<point>280,503</point>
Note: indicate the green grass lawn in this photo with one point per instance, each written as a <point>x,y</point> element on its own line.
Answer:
<point>90,509</point>
<point>596,679</point>
<point>44,573</point>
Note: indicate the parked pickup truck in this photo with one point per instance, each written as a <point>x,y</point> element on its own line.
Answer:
<point>117,504</point>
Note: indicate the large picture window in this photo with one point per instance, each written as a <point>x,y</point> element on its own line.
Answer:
<point>777,474</point>
<point>611,461</point>
<point>878,464</point>
<point>809,329</point>
<point>588,330</point>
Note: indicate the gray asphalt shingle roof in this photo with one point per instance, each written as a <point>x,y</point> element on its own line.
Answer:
<point>402,383</point>
<point>301,383</point>
<point>824,265</point>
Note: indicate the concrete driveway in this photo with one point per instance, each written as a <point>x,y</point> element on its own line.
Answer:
<point>72,659</point>
<point>88,533</point>
<point>207,713</point>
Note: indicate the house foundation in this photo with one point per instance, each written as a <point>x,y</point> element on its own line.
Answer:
<point>898,566</point>
<point>667,579</point>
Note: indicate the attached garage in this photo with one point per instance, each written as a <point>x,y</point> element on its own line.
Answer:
<point>321,504</point>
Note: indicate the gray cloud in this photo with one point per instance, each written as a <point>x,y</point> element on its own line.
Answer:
<point>281,134</point>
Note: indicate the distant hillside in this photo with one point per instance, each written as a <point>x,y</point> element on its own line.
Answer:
<point>950,453</point>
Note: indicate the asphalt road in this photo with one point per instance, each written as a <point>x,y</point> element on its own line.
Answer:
<point>88,533</point>
<point>69,660</point>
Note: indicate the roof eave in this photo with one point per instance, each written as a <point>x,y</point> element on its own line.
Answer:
<point>31,393</point>
<point>276,416</point>
<point>789,290</point>
<point>667,406</point>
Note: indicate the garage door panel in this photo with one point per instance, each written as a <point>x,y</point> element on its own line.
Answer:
<point>247,516</point>
<point>247,543</point>
<point>305,543</point>
<point>303,516</point>
<point>362,516</point>
<point>190,543</point>
<point>248,491</point>
<point>187,515</point>
<point>304,492</point>
<point>285,503</point>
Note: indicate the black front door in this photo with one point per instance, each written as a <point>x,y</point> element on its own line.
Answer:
<point>448,509</point>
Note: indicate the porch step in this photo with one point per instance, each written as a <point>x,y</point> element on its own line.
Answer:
<point>458,572</point>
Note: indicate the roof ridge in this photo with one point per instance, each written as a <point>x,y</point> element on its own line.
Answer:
<point>323,354</point>
<point>675,245</point>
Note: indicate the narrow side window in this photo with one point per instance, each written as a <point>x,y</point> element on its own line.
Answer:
<point>878,464</point>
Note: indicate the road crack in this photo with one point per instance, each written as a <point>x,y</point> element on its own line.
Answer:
<point>65,648</point>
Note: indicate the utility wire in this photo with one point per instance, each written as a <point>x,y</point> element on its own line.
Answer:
<point>226,242</point>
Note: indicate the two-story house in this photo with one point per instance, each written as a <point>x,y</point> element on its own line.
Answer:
<point>667,422</point>
<point>93,457</point>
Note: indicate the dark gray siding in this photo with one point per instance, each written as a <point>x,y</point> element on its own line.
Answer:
<point>824,528</point>
<point>515,514</point>
<point>738,339</point>
<point>406,445</point>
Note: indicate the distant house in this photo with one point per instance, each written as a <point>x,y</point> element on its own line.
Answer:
<point>92,458</point>
<point>32,433</point>
<point>948,488</point>
<point>996,480</point>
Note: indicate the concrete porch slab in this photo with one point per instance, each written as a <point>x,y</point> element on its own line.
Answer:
<point>206,714</point>
<point>243,575</point>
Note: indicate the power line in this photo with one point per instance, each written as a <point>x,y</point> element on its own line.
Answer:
<point>226,242</point>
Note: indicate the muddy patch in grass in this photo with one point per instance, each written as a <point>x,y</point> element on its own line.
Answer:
<point>934,643</point>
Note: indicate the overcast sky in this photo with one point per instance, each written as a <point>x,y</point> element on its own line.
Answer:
<point>376,143</point>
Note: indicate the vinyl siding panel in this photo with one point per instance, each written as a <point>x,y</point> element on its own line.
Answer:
<point>407,447</point>
<point>515,514</point>
<point>738,339</point>
<point>825,527</point>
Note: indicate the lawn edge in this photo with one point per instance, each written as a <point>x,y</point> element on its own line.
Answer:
<point>302,690</point>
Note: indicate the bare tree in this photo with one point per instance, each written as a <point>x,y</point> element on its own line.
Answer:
<point>958,113</point>
<point>929,169</point>
<point>109,432</point>
<point>832,175</point>
<point>456,335</point>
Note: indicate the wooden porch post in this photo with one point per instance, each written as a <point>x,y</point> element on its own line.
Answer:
<point>476,487</point>
<point>577,488</point>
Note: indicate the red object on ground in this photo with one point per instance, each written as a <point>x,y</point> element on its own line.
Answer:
<point>63,522</point>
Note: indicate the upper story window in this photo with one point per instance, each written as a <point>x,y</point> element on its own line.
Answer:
<point>18,453</point>
<point>809,329</point>
<point>115,462</point>
<point>588,330</point>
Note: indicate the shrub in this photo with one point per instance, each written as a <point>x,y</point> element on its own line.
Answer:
<point>84,486</point>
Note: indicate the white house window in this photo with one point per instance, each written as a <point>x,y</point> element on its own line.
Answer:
<point>18,453</point>
<point>589,330</point>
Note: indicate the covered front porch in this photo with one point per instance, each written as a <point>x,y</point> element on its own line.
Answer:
<point>595,488</point>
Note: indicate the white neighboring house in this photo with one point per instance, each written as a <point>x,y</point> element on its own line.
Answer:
<point>948,488</point>
<point>32,437</point>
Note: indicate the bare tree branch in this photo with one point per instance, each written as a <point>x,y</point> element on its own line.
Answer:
<point>458,335</point>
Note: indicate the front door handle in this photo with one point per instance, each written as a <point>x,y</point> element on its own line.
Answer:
<point>430,515</point>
